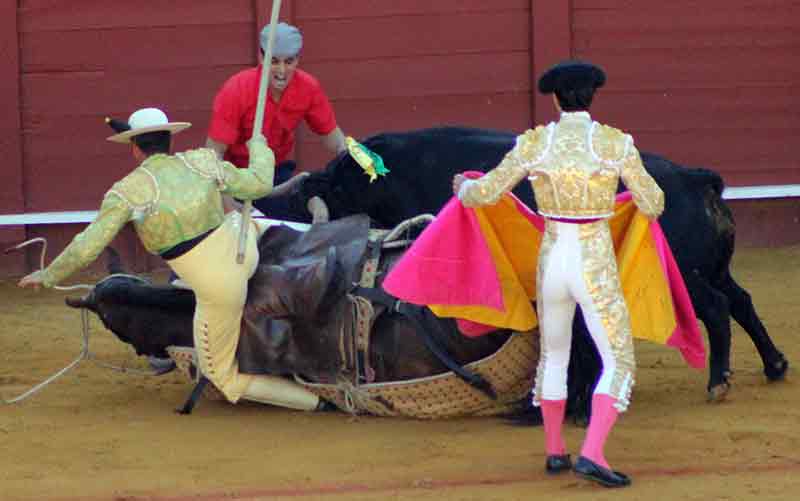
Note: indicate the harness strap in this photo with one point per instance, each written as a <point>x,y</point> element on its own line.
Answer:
<point>364,316</point>
<point>370,270</point>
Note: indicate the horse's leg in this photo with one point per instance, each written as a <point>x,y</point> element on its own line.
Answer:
<point>194,397</point>
<point>582,373</point>
<point>713,309</point>
<point>743,311</point>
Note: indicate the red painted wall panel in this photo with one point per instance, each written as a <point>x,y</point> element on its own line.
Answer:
<point>709,83</point>
<point>379,79</point>
<point>263,13</point>
<point>122,50</point>
<point>393,38</point>
<point>65,137</point>
<point>552,42</point>
<point>11,187</point>
<point>55,15</point>
<point>337,9</point>
<point>712,83</point>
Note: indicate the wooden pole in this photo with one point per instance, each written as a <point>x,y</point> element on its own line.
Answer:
<point>258,125</point>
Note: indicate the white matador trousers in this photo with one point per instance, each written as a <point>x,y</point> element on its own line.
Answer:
<point>220,287</point>
<point>577,265</point>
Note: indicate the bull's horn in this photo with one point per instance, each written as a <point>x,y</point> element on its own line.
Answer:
<point>77,302</point>
<point>319,210</point>
<point>114,261</point>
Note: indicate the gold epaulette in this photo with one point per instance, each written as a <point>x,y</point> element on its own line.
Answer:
<point>609,143</point>
<point>139,189</point>
<point>533,144</point>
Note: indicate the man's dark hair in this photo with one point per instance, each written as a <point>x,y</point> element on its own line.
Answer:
<point>579,99</point>
<point>153,142</point>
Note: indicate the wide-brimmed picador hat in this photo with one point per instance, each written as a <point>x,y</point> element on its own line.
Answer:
<point>141,122</point>
<point>570,75</point>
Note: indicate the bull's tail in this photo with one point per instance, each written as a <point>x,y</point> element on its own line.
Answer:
<point>711,185</point>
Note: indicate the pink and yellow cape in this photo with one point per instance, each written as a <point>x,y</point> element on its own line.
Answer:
<point>479,266</point>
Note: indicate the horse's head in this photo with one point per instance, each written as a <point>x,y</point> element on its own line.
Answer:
<point>297,302</point>
<point>294,314</point>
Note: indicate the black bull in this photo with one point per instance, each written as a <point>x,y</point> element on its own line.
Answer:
<point>696,221</point>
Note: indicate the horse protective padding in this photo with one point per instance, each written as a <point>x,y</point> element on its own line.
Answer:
<point>510,371</point>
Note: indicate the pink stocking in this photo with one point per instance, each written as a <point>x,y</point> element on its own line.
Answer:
<point>553,415</point>
<point>604,415</point>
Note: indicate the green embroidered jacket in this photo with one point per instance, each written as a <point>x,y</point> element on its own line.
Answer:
<point>169,199</point>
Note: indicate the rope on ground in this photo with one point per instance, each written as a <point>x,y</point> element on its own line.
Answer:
<point>85,350</point>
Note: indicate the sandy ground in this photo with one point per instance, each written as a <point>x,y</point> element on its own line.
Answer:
<point>100,435</point>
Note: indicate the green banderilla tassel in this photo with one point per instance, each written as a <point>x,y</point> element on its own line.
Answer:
<point>371,162</point>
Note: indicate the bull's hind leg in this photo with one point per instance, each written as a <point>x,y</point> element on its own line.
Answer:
<point>713,309</point>
<point>743,311</point>
<point>582,374</point>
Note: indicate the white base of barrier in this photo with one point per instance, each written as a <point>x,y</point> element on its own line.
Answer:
<point>87,216</point>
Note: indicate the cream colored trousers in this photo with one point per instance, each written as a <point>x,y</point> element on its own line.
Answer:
<point>220,287</point>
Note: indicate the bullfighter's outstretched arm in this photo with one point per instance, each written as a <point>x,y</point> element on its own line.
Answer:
<point>88,244</point>
<point>514,167</point>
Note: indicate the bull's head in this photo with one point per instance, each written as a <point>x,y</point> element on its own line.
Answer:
<point>149,317</point>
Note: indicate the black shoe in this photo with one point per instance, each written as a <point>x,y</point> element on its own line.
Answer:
<point>325,406</point>
<point>557,463</point>
<point>590,470</point>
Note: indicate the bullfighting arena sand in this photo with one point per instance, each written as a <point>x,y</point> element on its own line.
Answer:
<point>99,435</point>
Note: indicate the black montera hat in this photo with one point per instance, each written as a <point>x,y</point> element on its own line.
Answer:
<point>570,75</point>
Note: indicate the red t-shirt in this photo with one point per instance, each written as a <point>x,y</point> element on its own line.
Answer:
<point>235,110</point>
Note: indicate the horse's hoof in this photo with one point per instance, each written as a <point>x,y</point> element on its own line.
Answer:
<point>717,393</point>
<point>161,366</point>
<point>776,371</point>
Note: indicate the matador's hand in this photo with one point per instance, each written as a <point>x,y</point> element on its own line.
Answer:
<point>35,280</point>
<point>458,180</point>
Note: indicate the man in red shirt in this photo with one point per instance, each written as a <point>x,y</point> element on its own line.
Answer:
<point>293,95</point>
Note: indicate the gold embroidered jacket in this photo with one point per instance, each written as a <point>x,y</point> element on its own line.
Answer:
<point>574,166</point>
<point>169,199</point>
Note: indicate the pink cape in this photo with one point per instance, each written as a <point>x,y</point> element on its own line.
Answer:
<point>450,264</point>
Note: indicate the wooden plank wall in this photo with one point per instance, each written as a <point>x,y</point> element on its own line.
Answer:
<point>390,66</point>
<point>82,60</point>
<point>713,83</point>
<point>12,199</point>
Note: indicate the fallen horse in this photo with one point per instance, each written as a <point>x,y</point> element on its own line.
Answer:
<point>315,312</point>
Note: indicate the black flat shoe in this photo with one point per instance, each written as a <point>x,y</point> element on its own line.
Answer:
<point>558,463</point>
<point>588,469</point>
